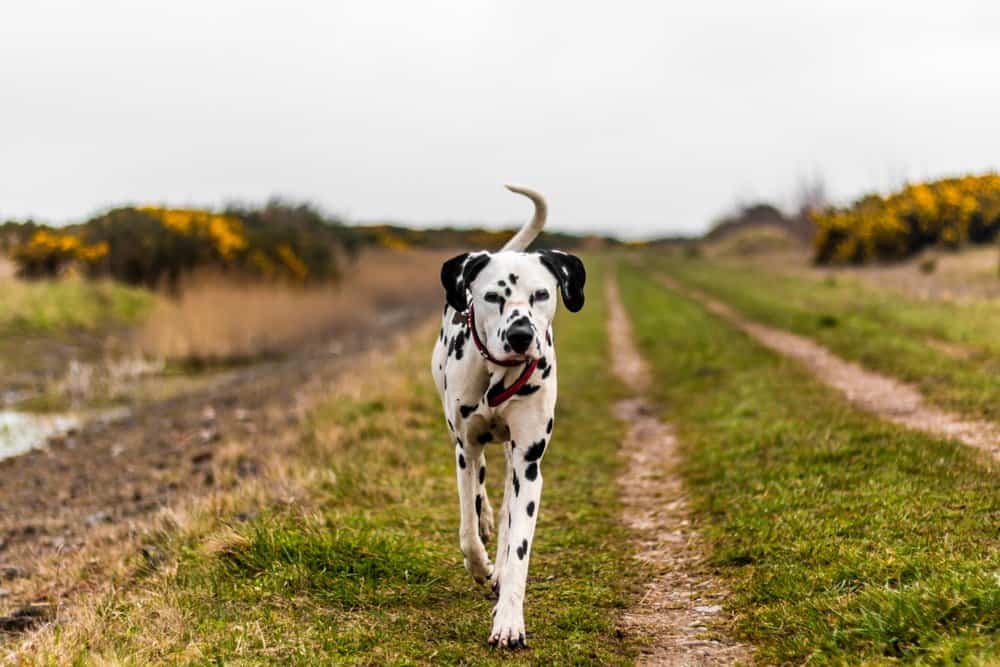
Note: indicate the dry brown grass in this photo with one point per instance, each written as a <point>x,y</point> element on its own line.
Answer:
<point>106,588</point>
<point>216,319</point>
<point>7,268</point>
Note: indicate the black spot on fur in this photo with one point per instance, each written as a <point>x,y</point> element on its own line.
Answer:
<point>461,461</point>
<point>522,550</point>
<point>479,505</point>
<point>482,474</point>
<point>531,472</point>
<point>543,363</point>
<point>450,427</point>
<point>501,283</point>
<point>535,451</point>
<point>441,334</point>
<point>517,484</point>
<point>507,291</point>
<point>460,443</point>
<point>466,410</point>
<point>547,372</point>
<point>484,437</point>
<point>513,279</point>
<point>548,337</point>
<point>528,389</point>
<point>458,345</point>
<point>531,508</point>
<point>548,427</point>
<point>495,390</point>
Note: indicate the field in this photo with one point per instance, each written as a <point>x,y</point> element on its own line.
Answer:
<point>301,509</point>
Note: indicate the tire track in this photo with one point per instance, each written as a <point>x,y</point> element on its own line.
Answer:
<point>682,599</point>
<point>883,396</point>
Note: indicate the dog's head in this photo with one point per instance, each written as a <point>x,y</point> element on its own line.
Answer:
<point>513,295</point>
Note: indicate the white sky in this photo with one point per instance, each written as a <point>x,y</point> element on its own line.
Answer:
<point>638,118</point>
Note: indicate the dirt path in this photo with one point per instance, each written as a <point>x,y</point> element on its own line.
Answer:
<point>682,600</point>
<point>87,493</point>
<point>878,394</point>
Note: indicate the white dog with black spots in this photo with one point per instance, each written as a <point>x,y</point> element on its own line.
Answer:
<point>495,368</point>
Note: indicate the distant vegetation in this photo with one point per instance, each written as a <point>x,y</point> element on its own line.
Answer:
<point>155,246</point>
<point>949,212</point>
<point>28,308</point>
<point>292,243</point>
<point>762,214</point>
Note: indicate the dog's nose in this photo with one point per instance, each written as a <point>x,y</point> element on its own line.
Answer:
<point>519,336</point>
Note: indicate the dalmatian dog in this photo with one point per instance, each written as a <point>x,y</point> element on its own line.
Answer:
<point>495,368</point>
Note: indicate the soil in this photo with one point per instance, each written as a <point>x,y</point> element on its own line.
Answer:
<point>680,610</point>
<point>888,398</point>
<point>99,484</point>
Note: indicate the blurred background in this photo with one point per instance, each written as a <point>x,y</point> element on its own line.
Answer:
<point>213,203</point>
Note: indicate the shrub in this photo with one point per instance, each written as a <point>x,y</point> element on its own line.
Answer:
<point>949,212</point>
<point>156,246</point>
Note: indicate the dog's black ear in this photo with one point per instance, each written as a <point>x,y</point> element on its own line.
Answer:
<point>570,273</point>
<point>458,273</point>
<point>454,285</point>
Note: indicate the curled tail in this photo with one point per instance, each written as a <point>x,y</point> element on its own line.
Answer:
<point>527,234</point>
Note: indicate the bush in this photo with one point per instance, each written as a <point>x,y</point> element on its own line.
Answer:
<point>156,246</point>
<point>950,212</point>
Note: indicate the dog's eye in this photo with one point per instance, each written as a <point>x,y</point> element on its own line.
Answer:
<point>492,297</point>
<point>541,295</point>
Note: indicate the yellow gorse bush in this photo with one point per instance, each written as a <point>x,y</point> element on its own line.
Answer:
<point>225,232</point>
<point>952,211</point>
<point>45,244</point>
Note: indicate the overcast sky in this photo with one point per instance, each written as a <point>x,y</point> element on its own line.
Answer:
<point>640,118</point>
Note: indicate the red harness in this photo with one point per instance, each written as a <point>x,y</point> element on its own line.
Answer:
<point>521,380</point>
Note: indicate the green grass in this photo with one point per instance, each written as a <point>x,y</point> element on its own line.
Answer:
<point>842,539</point>
<point>52,306</point>
<point>365,568</point>
<point>881,329</point>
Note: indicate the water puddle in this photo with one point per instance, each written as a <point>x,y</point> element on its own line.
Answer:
<point>21,431</point>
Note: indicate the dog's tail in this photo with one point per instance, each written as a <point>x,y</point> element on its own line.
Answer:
<point>527,234</point>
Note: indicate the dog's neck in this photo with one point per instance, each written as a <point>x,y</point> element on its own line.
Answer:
<point>496,375</point>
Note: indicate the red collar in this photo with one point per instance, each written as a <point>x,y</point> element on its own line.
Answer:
<point>521,380</point>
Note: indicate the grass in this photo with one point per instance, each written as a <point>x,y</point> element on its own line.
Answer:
<point>949,350</point>
<point>217,321</point>
<point>842,539</point>
<point>67,304</point>
<point>351,555</point>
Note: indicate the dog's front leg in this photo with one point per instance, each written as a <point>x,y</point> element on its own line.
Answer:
<point>477,561</point>
<point>505,519</point>
<point>528,442</point>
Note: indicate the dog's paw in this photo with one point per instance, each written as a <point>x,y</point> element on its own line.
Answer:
<point>508,628</point>
<point>481,571</point>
